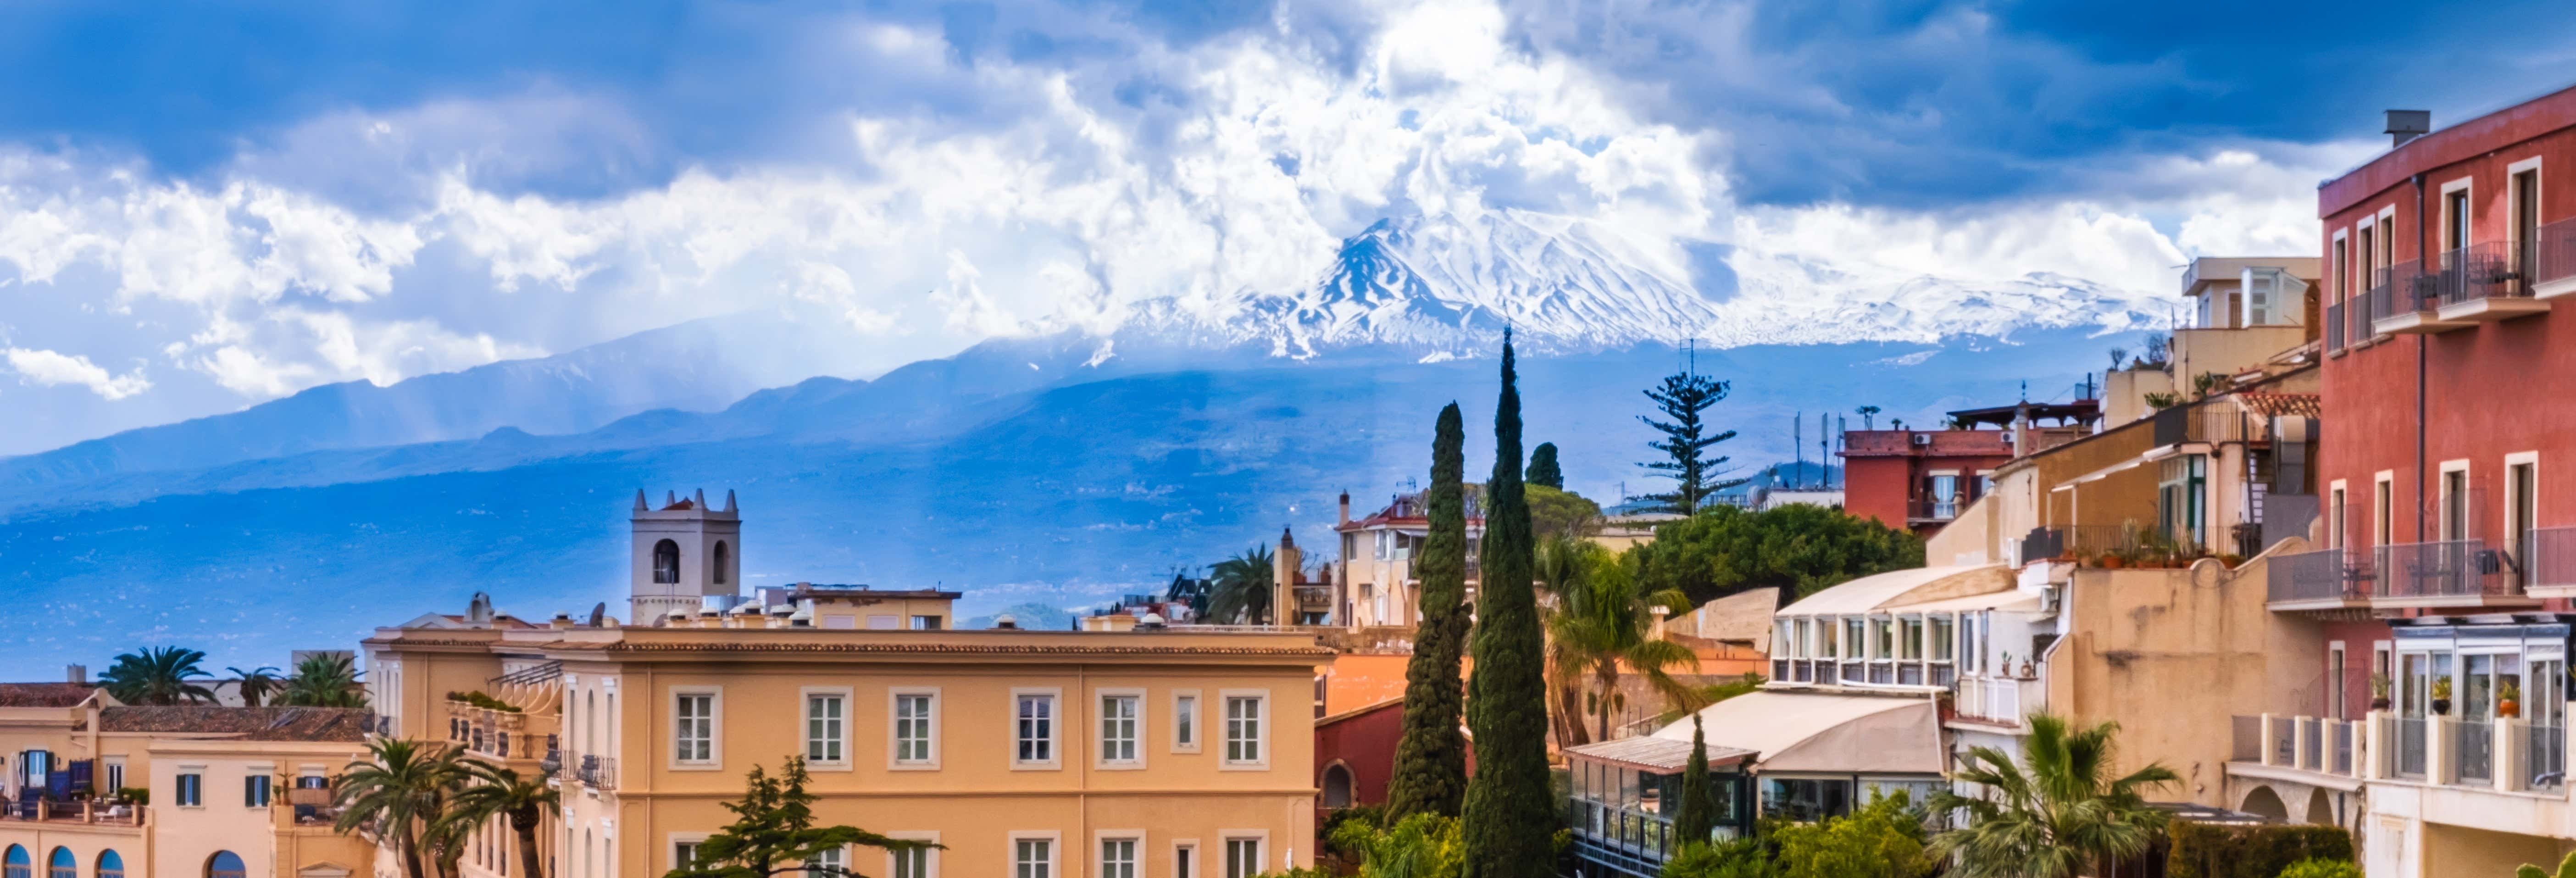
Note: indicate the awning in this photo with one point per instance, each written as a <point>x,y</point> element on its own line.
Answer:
<point>1657,754</point>
<point>1840,734</point>
<point>2100,474</point>
<point>2014,599</point>
<point>1862,595</point>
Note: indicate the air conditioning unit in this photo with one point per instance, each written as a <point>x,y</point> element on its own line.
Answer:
<point>1922,438</point>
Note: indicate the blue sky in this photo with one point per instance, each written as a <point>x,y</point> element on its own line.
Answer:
<point>204,206</point>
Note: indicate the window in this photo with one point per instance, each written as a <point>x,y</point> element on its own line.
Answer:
<point>2521,484</point>
<point>720,556</point>
<point>1883,644</point>
<point>2335,681</point>
<point>916,862</point>
<point>914,735</point>
<point>1118,715</point>
<point>683,853</point>
<point>2455,504</point>
<point>1032,858</point>
<point>2382,516</point>
<point>2343,265</point>
<point>1242,857</point>
<point>110,865</point>
<point>2455,218</point>
<point>115,773</point>
<point>19,864</point>
<point>926,623</point>
<point>1035,729</point>
<point>226,864</point>
<point>1117,858</point>
<point>2526,222</point>
<point>1911,641</point>
<point>823,728</point>
<point>1185,722</point>
<point>62,864</point>
<point>255,791</point>
<point>1243,729</point>
<point>1184,861</point>
<point>2335,519</point>
<point>829,863</point>
<point>1943,641</point>
<point>1855,638</point>
<point>666,562</point>
<point>192,790</point>
<point>693,728</point>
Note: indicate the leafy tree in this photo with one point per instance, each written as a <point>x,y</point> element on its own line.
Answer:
<point>1239,588</point>
<point>2066,815</point>
<point>1509,821</point>
<point>1431,758</point>
<point>1868,416</point>
<point>1561,513</point>
<point>256,683</point>
<point>1740,858</point>
<point>399,787</point>
<point>492,792</point>
<point>1604,623</point>
<point>1884,838</point>
<point>1682,399</point>
<point>2325,868</point>
<point>324,680</point>
<point>1543,469</point>
<point>1419,846</point>
<point>2566,869</point>
<point>1799,548</point>
<point>158,675</point>
<point>1697,815</point>
<point>773,833</point>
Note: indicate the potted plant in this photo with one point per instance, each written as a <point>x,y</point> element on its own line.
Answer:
<point>2442,696</point>
<point>2379,691</point>
<point>2508,700</point>
<point>2111,561</point>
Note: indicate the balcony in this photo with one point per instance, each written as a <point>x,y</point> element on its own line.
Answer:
<point>1993,701</point>
<point>1933,509</point>
<point>2553,261</point>
<point>2336,327</point>
<point>2323,580</point>
<point>2486,282</point>
<point>90,812</point>
<point>597,772</point>
<point>2315,750</point>
<point>2445,573</point>
<point>2199,424</point>
<point>2404,298</point>
<point>2549,562</point>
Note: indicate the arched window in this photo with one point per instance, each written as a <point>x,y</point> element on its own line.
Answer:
<point>1337,786</point>
<point>722,553</point>
<point>225,864</point>
<point>666,561</point>
<point>62,864</point>
<point>110,865</point>
<point>17,864</point>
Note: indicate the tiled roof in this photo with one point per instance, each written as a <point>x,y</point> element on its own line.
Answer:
<point>336,724</point>
<point>44,694</point>
<point>1657,754</point>
<point>2273,405</point>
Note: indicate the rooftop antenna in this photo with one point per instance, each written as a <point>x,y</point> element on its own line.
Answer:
<point>1824,451</point>
<point>1797,449</point>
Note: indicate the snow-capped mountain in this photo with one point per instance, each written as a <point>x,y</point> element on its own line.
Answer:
<point>1448,283</point>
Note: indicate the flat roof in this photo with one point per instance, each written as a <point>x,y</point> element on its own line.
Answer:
<point>1658,754</point>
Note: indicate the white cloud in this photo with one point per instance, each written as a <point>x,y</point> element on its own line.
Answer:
<point>46,368</point>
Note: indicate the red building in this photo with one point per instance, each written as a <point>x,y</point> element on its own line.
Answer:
<point>1922,479</point>
<point>2448,380</point>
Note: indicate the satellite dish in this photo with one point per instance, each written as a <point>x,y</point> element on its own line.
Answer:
<point>598,614</point>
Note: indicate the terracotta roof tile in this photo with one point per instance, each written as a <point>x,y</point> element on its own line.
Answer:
<point>44,694</point>
<point>2273,405</point>
<point>337,724</point>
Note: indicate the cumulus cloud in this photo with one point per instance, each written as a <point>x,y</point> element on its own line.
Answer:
<point>47,368</point>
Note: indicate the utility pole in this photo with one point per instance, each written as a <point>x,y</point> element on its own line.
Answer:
<point>1797,449</point>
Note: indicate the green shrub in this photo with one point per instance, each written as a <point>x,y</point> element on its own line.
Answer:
<point>2207,850</point>
<point>1420,846</point>
<point>1741,858</point>
<point>2320,868</point>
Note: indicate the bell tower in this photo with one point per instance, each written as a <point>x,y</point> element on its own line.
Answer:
<point>683,553</point>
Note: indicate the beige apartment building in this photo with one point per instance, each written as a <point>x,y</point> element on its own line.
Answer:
<point>227,792</point>
<point>1146,751</point>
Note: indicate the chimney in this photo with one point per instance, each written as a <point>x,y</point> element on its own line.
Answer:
<point>1346,508</point>
<point>2405,125</point>
<point>560,622</point>
<point>76,673</point>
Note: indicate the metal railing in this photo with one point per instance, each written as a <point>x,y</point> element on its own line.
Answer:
<point>2480,271</point>
<point>2410,746</point>
<point>2325,574</point>
<point>1625,839</point>
<point>2442,568</point>
<point>2549,556</point>
<point>2401,288</point>
<point>2544,758</point>
<point>2473,743</point>
<point>1936,508</point>
<point>599,772</point>
<point>2361,313</point>
<point>2553,255</point>
<point>2334,327</point>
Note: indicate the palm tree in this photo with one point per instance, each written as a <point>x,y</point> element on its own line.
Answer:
<point>158,675</point>
<point>2062,815</point>
<point>1240,587</point>
<point>492,791</point>
<point>400,787</point>
<point>325,680</point>
<point>256,683</point>
<point>1558,564</point>
<point>1605,621</point>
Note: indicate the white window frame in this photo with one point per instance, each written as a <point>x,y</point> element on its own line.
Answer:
<point>1187,729</point>
<point>2504,515</point>
<point>2341,256</point>
<point>894,740</point>
<point>1100,840</point>
<point>840,858</point>
<point>1198,864</point>
<point>672,842</point>
<point>1136,727</point>
<point>1260,839</point>
<point>2467,187</point>
<point>1011,848</point>
<point>2337,514</point>
<point>2442,523</point>
<point>1055,729</point>
<point>2384,509</point>
<point>805,725</point>
<point>715,729</point>
<point>1260,728</point>
<point>179,786</point>
<point>929,856</point>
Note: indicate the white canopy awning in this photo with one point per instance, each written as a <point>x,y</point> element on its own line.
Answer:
<point>1868,593</point>
<point>1840,734</point>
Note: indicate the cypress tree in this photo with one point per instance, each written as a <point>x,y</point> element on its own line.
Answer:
<point>1509,823</point>
<point>1543,469</point>
<point>1696,818</point>
<point>1431,759</point>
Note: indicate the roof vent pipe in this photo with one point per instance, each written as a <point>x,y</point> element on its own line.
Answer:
<point>2405,125</point>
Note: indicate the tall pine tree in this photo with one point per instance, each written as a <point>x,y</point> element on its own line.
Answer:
<point>1431,759</point>
<point>1543,469</point>
<point>1696,817</point>
<point>1509,823</point>
<point>1683,396</point>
